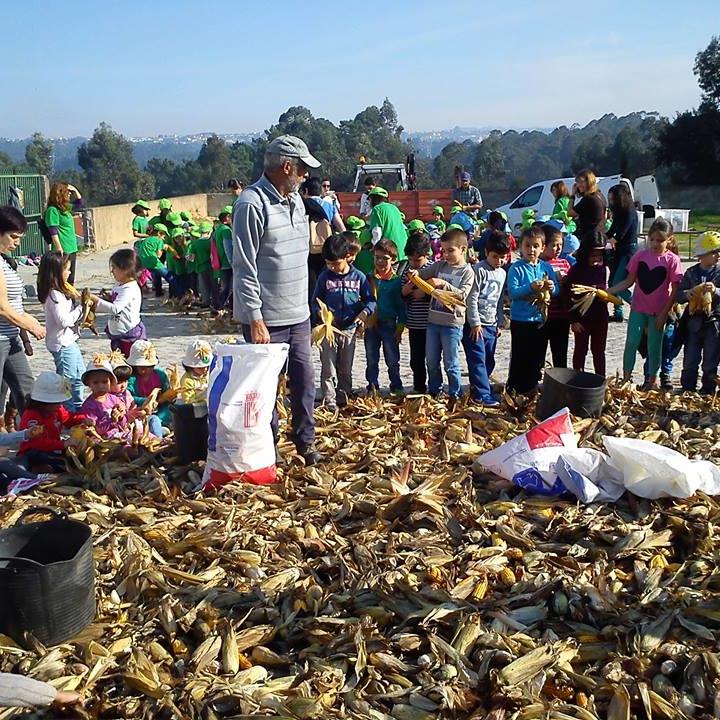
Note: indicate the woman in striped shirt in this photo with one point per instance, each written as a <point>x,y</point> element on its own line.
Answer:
<point>14,365</point>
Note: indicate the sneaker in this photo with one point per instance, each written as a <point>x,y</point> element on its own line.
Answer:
<point>491,402</point>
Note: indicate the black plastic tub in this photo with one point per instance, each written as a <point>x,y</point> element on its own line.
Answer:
<point>190,425</point>
<point>582,393</point>
<point>47,578</point>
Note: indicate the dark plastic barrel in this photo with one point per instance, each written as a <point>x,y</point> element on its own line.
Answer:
<point>190,424</point>
<point>582,393</point>
<point>47,578</point>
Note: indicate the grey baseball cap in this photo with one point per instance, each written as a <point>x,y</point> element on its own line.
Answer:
<point>292,146</point>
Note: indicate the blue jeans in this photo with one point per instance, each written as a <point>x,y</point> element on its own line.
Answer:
<point>158,274</point>
<point>383,334</point>
<point>70,364</point>
<point>443,342</point>
<point>480,355</point>
<point>702,343</point>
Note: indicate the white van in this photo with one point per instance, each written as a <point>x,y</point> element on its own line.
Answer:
<point>539,198</point>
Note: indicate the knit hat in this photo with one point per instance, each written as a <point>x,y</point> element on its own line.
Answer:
<point>164,204</point>
<point>198,354</point>
<point>143,354</point>
<point>707,242</point>
<point>49,387</point>
<point>100,363</point>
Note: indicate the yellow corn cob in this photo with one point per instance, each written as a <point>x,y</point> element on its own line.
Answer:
<point>480,589</point>
<point>424,285</point>
<point>507,576</point>
<point>449,299</point>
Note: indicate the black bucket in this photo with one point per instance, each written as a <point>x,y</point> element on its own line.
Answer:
<point>47,578</point>
<point>190,424</point>
<point>582,393</point>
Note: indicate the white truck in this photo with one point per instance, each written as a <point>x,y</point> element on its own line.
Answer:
<point>644,191</point>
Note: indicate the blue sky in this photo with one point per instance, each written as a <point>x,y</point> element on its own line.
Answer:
<point>187,66</point>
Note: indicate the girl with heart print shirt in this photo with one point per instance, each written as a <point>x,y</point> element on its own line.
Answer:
<point>656,273</point>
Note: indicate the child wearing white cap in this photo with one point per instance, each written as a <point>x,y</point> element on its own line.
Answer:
<point>107,411</point>
<point>147,377</point>
<point>194,382</point>
<point>45,410</point>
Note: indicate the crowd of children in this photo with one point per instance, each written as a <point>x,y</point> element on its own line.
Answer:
<point>477,264</point>
<point>454,291</point>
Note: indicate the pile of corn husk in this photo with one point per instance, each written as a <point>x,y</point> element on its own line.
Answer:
<point>388,582</point>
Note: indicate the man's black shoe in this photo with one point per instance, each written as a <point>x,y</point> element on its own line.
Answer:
<point>310,456</point>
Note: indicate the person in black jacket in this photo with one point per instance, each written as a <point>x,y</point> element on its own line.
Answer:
<point>623,234</point>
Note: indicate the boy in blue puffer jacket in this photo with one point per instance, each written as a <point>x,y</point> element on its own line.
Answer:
<point>525,276</point>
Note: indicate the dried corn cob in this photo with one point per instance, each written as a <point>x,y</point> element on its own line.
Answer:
<point>584,295</point>
<point>543,296</point>
<point>448,298</point>
<point>700,300</point>
<point>324,331</point>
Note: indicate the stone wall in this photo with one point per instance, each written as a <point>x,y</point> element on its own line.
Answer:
<point>112,223</point>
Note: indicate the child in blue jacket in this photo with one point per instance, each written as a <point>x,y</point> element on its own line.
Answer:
<point>349,297</point>
<point>525,276</point>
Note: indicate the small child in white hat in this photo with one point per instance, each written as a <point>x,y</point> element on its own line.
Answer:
<point>194,382</point>
<point>45,410</point>
<point>108,411</point>
<point>147,377</point>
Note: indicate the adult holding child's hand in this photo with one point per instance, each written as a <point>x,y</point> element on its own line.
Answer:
<point>14,365</point>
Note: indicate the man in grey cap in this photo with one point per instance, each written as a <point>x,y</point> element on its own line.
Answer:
<point>271,242</point>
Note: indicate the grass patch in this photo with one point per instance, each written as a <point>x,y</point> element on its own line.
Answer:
<point>700,220</point>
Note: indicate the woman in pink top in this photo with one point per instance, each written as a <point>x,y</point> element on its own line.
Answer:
<point>656,273</point>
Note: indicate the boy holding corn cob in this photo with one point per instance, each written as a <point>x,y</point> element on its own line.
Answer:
<point>528,278</point>
<point>700,289</point>
<point>385,326</point>
<point>348,295</point>
<point>445,324</point>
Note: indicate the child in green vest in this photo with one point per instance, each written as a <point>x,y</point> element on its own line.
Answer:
<point>200,245</point>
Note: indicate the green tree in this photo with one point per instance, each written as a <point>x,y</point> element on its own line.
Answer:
<point>487,164</point>
<point>242,158</point>
<point>6,164</point>
<point>39,154</point>
<point>707,71</point>
<point>452,156</point>
<point>214,164</point>
<point>112,175</point>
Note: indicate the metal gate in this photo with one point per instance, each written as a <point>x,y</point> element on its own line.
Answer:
<point>35,190</point>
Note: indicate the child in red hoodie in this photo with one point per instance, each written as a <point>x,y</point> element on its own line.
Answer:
<point>45,409</point>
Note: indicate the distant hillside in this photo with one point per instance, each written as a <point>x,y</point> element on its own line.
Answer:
<point>177,148</point>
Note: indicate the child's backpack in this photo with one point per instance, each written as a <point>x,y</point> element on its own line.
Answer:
<point>320,231</point>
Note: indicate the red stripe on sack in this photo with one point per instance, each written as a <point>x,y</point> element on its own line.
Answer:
<point>263,476</point>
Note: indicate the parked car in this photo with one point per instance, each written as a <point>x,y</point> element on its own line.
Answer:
<point>539,198</point>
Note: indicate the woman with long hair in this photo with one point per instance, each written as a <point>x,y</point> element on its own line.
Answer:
<point>14,366</point>
<point>64,199</point>
<point>591,209</point>
<point>623,235</point>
